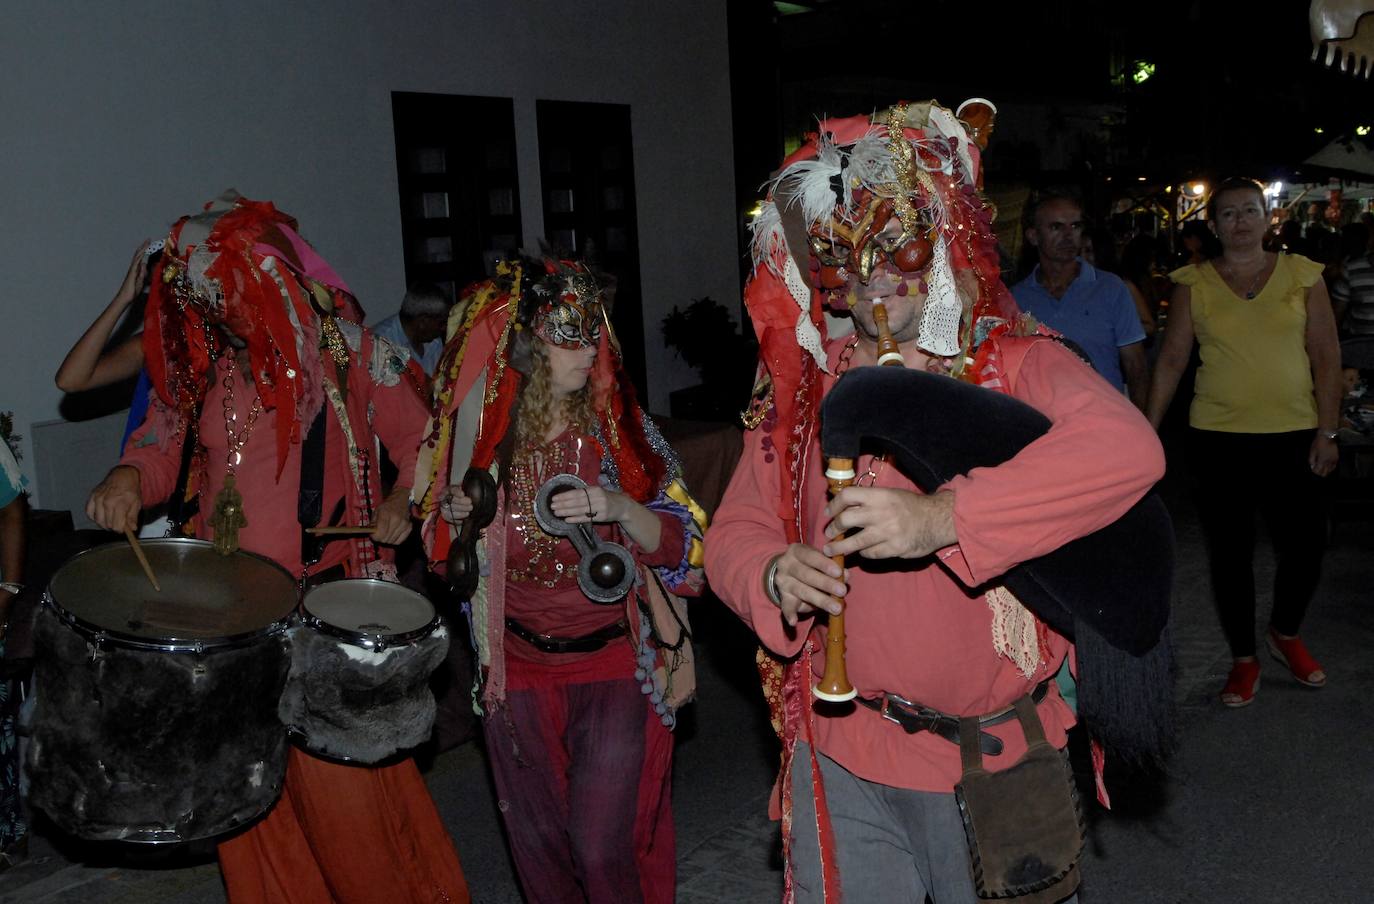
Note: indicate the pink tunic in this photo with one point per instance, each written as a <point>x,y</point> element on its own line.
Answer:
<point>915,628</point>
<point>393,413</point>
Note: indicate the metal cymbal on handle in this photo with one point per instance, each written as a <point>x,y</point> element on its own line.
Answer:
<point>606,570</point>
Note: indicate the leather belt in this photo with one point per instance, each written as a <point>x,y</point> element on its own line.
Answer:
<point>913,717</point>
<point>587,643</point>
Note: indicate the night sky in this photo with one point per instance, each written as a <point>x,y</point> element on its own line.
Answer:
<point>1233,90</point>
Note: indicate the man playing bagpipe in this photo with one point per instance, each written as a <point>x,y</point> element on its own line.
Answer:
<point>985,515</point>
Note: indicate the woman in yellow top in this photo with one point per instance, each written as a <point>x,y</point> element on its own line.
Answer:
<point>1264,417</point>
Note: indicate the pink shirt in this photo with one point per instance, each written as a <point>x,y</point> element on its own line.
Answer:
<point>269,504</point>
<point>915,628</point>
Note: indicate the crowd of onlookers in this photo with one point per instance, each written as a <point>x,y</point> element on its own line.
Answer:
<point>1241,324</point>
<point>1143,256</point>
<point>1145,260</point>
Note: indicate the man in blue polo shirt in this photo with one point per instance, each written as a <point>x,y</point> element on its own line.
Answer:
<point>419,325</point>
<point>1090,306</point>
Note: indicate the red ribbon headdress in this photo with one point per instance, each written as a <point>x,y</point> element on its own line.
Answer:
<point>241,264</point>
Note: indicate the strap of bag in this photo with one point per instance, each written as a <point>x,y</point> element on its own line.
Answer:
<point>310,502</point>
<point>971,752</point>
<point>1029,718</point>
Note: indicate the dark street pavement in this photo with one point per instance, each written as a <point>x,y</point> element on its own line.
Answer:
<point>1263,804</point>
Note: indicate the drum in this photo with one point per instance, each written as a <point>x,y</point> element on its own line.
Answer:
<point>361,658</point>
<point>155,718</point>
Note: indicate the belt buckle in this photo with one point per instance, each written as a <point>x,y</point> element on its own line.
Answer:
<point>910,721</point>
<point>886,712</point>
<point>911,718</point>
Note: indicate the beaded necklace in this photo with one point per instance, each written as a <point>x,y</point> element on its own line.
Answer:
<point>228,516</point>
<point>529,471</point>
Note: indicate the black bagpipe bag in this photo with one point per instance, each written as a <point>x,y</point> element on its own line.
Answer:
<point>1108,591</point>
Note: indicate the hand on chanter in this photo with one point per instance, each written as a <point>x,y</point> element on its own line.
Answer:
<point>889,523</point>
<point>454,505</point>
<point>115,502</point>
<point>806,580</point>
<point>392,524</point>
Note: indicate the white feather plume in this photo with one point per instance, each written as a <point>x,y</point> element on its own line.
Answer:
<point>870,165</point>
<point>768,243</point>
<point>810,182</point>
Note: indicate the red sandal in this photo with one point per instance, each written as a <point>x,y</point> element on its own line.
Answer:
<point>1241,684</point>
<point>1291,652</point>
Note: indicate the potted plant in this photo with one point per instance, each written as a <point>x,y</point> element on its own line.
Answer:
<point>706,337</point>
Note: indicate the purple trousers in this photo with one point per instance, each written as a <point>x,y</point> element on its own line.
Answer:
<point>583,775</point>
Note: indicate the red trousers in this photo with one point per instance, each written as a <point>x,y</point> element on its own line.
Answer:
<point>345,835</point>
<point>583,769</point>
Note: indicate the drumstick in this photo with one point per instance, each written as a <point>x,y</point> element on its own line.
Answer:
<point>142,559</point>
<point>342,529</point>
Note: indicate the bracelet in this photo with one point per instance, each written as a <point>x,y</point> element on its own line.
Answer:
<point>1332,435</point>
<point>12,587</point>
<point>770,580</point>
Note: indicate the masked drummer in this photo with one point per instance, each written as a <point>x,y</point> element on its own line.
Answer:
<point>578,696</point>
<point>885,210</point>
<point>253,343</point>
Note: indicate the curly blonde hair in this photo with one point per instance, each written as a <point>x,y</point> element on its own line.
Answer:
<point>536,411</point>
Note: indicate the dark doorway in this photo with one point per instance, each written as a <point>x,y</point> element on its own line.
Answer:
<point>460,199</point>
<point>586,165</point>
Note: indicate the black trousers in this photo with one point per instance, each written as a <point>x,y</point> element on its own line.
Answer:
<point>1238,475</point>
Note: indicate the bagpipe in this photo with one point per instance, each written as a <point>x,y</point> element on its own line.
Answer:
<point>1108,591</point>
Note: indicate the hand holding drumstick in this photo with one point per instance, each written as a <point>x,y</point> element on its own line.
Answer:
<point>142,559</point>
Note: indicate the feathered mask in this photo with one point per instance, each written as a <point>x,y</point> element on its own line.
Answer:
<point>239,269</point>
<point>829,210</point>
<point>564,307</point>
<point>826,216</point>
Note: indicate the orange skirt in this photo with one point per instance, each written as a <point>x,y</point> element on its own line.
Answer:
<point>345,835</point>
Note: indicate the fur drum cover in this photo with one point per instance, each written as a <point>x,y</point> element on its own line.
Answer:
<point>351,704</point>
<point>147,746</point>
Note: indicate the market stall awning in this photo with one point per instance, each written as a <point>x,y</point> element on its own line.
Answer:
<point>1346,155</point>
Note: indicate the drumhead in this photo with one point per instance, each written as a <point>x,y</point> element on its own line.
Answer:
<point>370,607</point>
<point>206,599</point>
